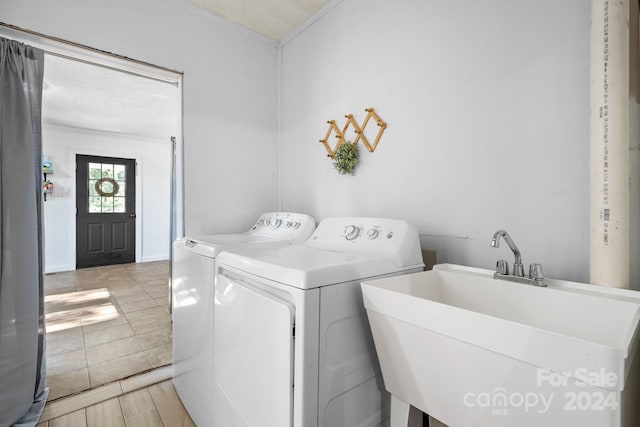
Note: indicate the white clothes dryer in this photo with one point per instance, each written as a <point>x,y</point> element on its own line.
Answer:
<point>192,281</point>
<point>292,346</point>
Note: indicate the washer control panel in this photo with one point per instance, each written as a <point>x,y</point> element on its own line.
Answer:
<point>277,222</point>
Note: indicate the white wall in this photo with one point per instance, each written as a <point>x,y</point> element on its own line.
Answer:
<point>61,144</point>
<point>229,94</point>
<point>487,105</point>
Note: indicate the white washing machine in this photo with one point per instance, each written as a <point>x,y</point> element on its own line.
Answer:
<point>292,346</point>
<point>193,273</point>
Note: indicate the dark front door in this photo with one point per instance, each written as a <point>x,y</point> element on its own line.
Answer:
<point>106,219</point>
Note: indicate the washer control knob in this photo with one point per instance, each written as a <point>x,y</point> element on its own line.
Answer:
<point>296,225</point>
<point>372,234</point>
<point>276,223</point>
<point>351,232</point>
<point>266,222</point>
<point>288,224</point>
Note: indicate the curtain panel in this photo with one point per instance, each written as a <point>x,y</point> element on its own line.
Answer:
<point>22,371</point>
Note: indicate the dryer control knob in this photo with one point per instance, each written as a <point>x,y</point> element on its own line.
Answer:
<point>372,234</point>
<point>276,223</point>
<point>351,232</point>
<point>296,225</point>
<point>288,224</point>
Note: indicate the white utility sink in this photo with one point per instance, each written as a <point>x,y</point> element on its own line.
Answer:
<point>471,350</point>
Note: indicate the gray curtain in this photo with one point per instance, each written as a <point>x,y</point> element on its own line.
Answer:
<point>22,372</point>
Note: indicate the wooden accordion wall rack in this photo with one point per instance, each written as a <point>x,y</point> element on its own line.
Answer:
<point>358,130</point>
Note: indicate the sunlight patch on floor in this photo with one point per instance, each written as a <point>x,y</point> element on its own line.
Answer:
<point>97,308</point>
<point>78,297</point>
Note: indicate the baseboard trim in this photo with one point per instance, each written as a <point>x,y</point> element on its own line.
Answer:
<point>58,268</point>
<point>155,258</point>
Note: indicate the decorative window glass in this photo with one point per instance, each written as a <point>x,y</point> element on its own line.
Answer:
<point>107,184</point>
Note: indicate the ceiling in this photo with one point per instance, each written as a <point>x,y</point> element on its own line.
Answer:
<point>273,19</point>
<point>81,95</point>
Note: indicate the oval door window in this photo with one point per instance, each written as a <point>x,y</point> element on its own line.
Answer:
<point>106,187</point>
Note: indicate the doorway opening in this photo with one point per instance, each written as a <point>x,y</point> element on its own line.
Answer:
<point>108,137</point>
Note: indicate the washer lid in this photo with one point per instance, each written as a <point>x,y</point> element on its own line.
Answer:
<point>307,267</point>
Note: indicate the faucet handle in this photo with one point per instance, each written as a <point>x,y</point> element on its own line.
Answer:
<point>535,272</point>
<point>502,267</point>
<point>518,269</point>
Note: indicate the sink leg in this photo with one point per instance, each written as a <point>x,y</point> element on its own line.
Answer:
<point>403,414</point>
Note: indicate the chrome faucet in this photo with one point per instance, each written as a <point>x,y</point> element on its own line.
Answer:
<point>518,268</point>
<point>536,276</point>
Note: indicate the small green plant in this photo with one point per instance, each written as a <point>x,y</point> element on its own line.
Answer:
<point>346,158</point>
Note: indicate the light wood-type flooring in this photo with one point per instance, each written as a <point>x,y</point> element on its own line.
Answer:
<point>157,405</point>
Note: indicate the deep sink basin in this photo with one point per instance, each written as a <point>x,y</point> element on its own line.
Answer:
<point>446,336</point>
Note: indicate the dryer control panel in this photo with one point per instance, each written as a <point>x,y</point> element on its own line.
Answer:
<point>392,238</point>
<point>295,227</point>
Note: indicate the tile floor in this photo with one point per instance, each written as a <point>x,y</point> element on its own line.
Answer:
<point>106,323</point>
<point>156,405</point>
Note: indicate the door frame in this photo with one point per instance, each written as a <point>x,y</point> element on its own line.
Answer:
<point>73,151</point>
